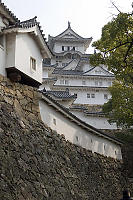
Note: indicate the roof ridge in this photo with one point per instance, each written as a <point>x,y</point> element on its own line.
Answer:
<point>9,12</point>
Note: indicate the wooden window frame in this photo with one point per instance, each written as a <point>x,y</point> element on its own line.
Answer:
<point>33,63</point>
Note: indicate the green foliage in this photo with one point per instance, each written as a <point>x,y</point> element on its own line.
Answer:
<point>119,108</point>
<point>126,136</point>
<point>115,50</point>
<point>115,46</point>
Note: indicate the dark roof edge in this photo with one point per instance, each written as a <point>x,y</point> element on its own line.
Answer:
<point>9,12</point>
<point>69,115</point>
<point>69,28</point>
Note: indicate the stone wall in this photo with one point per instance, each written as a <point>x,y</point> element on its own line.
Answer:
<point>37,163</point>
<point>24,99</point>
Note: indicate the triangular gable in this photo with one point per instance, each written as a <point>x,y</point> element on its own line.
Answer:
<point>72,65</point>
<point>98,71</point>
<point>69,33</point>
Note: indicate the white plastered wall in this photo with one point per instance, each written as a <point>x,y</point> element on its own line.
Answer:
<point>58,46</point>
<point>76,134</point>
<point>2,51</point>
<point>26,47</point>
<point>11,48</point>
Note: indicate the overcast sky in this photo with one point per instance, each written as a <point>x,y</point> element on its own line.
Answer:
<point>87,17</point>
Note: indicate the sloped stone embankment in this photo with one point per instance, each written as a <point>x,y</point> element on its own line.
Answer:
<point>38,164</point>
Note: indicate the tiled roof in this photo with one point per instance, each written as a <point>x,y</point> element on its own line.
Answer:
<point>67,72</point>
<point>82,86</point>
<point>26,24</point>
<point>109,73</point>
<point>9,12</point>
<point>94,110</point>
<point>60,94</point>
<point>65,111</point>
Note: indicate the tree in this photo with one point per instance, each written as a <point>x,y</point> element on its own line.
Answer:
<point>115,50</point>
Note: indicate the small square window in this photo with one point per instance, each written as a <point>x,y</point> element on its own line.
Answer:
<point>88,95</point>
<point>54,121</point>
<point>92,95</point>
<point>77,139</point>
<point>33,63</point>
<point>68,48</point>
<point>105,96</point>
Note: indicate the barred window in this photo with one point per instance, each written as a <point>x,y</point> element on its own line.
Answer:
<point>92,95</point>
<point>105,96</point>
<point>88,95</point>
<point>33,63</point>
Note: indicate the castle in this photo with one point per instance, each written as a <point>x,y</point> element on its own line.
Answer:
<point>68,82</point>
<point>69,78</point>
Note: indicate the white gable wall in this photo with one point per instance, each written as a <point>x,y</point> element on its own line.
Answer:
<point>76,134</point>
<point>3,57</point>
<point>11,48</point>
<point>2,51</point>
<point>78,46</point>
<point>97,100</point>
<point>26,47</point>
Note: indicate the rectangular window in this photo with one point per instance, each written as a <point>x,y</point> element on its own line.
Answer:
<point>54,121</point>
<point>92,95</point>
<point>97,71</point>
<point>105,96</point>
<point>63,48</point>
<point>33,63</point>
<point>88,95</point>
<point>68,48</point>
<point>73,48</point>
<point>66,82</point>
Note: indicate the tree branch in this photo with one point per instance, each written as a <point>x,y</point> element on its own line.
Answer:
<point>117,46</point>
<point>131,44</point>
<point>115,6</point>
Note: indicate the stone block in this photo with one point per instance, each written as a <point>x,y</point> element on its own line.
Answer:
<point>19,95</point>
<point>8,100</point>
<point>28,93</point>
<point>35,108</point>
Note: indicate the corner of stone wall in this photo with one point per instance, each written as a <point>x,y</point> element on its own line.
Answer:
<point>24,99</point>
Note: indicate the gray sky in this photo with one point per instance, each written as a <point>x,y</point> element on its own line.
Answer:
<point>87,17</point>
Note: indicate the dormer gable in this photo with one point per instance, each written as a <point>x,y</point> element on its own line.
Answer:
<point>98,71</point>
<point>69,35</point>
